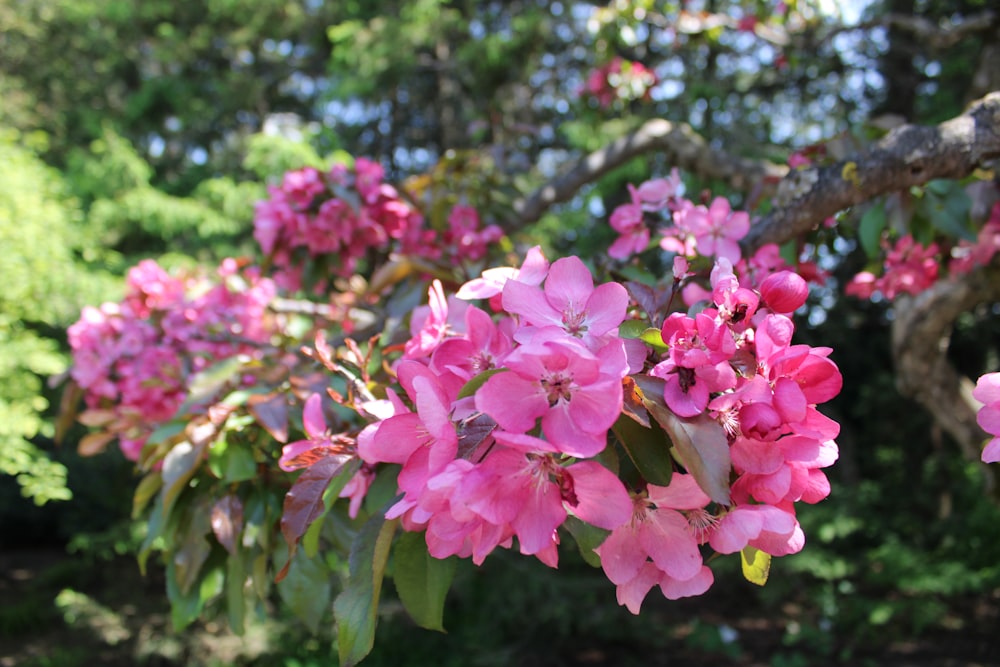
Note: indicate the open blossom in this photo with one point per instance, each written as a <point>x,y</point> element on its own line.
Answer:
<point>910,268</point>
<point>717,229</point>
<point>660,544</point>
<point>987,391</point>
<point>569,302</point>
<point>563,383</point>
<point>628,221</point>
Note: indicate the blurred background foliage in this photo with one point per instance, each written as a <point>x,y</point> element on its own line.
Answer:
<point>132,130</point>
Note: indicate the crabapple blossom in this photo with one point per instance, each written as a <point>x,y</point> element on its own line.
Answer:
<point>987,392</point>
<point>569,302</point>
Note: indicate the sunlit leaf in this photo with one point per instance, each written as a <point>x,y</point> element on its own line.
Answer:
<point>756,565</point>
<point>179,467</point>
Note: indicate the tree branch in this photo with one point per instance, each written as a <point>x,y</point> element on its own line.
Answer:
<point>681,145</point>
<point>909,155</point>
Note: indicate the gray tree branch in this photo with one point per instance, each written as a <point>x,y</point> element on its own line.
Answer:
<point>682,146</point>
<point>909,155</point>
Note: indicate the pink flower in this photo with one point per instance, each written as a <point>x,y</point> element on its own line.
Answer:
<point>628,221</point>
<point>431,324</point>
<point>987,391</point>
<point>784,291</point>
<point>491,283</point>
<point>666,528</point>
<point>569,302</point>
<point>718,228</point>
<point>561,382</point>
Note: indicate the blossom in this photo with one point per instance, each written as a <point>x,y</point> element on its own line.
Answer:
<point>987,391</point>
<point>659,544</point>
<point>563,383</point>
<point>569,302</point>
<point>718,228</point>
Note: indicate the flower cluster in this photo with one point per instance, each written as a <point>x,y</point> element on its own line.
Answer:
<point>694,229</point>
<point>337,217</point>
<point>501,418</point>
<point>134,359</point>
<point>910,268</point>
<point>966,255</point>
<point>987,392</point>
<point>619,79</point>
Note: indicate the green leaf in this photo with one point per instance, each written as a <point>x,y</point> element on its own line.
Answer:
<point>422,580</point>
<point>632,328</point>
<point>700,442</point>
<point>144,492</point>
<point>186,607</point>
<point>306,589</point>
<point>649,449</point>
<point>179,467</point>
<point>654,338</point>
<point>473,385</point>
<point>236,605</point>
<point>356,608</point>
<point>231,462</point>
<point>756,565</point>
<point>870,229</point>
<point>946,205</point>
<point>587,538</point>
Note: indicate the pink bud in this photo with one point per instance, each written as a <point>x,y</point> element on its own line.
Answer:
<point>784,291</point>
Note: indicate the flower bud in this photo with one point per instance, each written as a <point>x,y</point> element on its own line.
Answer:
<point>784,291</point>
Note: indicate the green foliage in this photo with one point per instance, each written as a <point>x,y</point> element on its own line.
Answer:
<point>45,285</point>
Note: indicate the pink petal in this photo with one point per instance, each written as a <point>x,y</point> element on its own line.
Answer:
<point>621,556</point>
<point>632,593</point>
<point>569,285</point>
<point>515,403</point>
<point>674,589</point>
<point>991,453</point>
<point>683,493</point>
<point>987,389</point>
<point>606,308</point>
<point>530,303</point>
<point>602,500</point>
<point>667,540</point>
<point>313,420</point>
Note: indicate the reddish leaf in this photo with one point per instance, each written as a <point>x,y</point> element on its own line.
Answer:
<point>304,501</point>
<point>632,405</point>
<point>192,547</point>
<point>219,413</point>
<point>227,521</point>
<point>472,432</point>
<point>68,406</point>
<point>96,418</point>
<point>335,445</point>
<point>700,442</point>
<point>271,412</point>
<point>94,443</point>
